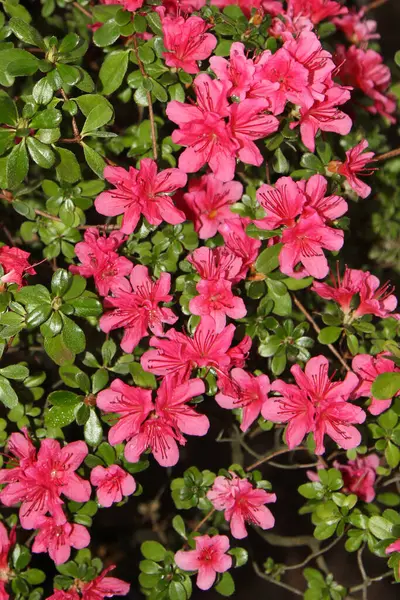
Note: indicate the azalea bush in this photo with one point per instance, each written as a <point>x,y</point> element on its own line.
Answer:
<point>196,324</point>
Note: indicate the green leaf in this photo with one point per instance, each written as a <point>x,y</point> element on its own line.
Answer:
<point>223,48</point>
<point>392,455</point>
<point>153,551</point>
<point>93,430</point>
<point>380,527</point>
<point>240,555</point>
<point>58,351</point>
<point>107,34</point>
<point>176,591</point>
<point>280,163</point>
<point>107,453</point>
<point>226,587</point>
<point>141,377</point>
<point>323,531</point>
<point>68,168</point>
<point>179,525</point>
<point>154,22</point>
<point>60,282</point>
<point>26,33</point>
<point>17,165</point>
<point>312,162</point>
<point>113,71</point>
<point>329,335</point>
<point>268,260</point>
<point>73,336</point>
<point>94,160</point>
<point>34,576</point>
<point>386,386</point>
<point>7,395</point>
<point>17,372</point>
<point>100,114</point>
<point>42,91</point>
<point>40,153</point>
<point>8,109</point>
<point>61,416</point>
<point>146,54</point>
<point>17,62</point>
<point>64,398</point>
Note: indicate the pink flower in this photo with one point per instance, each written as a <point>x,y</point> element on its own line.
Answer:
<point>324,116</point>
<point>130,5</point>
<point>329,208</point>
<point>15,265</point>
<point>56,536</point>
<point>238,70</point>
<point>179,353</point>
<point>143,192</point>
<point>210,200</point>
<point>186,41</point>
<point>376,299</point>
<point>204,131</point>
<point>208,559</point>
<point>343,290</point>
<point>368,368</point>
<point>356,161</point>
<point>316,10</point>
<point>6,541</point>
<point>100,260</point>
<point>394,547</point>
<point>244,391</point>
<point>242,504</point>
<point>215,264</point>
<point>217,300</point>
<point>356,28</point>
<point>303,243</point>
<point>240,244</point>
<point>132,404</point>
<point>176,7</point>
<point>65,595</point>
<point>39,482</point>
<point>136,307</point>
<point>359,476</point>
<point>113,483</point>
<point>282,203</point>
<point>104,587</point>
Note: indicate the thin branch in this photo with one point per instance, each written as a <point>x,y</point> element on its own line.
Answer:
<point>374,4</point>
<point>285,586</point>
<point>358,588</point>
<point>364,575</point>
<point>204,520</point>
<point>83,10</point>
<point>318,330</point>
<point>386,155</point>
<point>315,554</point>
<point>75,129</point>
<point>149,100</point>
<point>268,457</point>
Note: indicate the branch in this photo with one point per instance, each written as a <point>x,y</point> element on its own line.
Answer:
<point>149,100</point>
<point>364,575</point>
<point>204,520</point>
<point>359,587</point>
<point>374,4</point>
<point>268,457</point>
<point>83,10</point>
<point>318,330</point>
<point>285,586</point>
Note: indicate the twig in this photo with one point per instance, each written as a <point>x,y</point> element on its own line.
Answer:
<point>74,125</point>
<point>374,4</point>
<point>268,457</point>
<point>285,586</point>
<point>105,226</point>
<point>318,330</point>
<point>315,554</point>
<point>204,520</point>
<point>363,573</point>
<point>83,10</point>
<point>359,587</point>
<point>386,155</point>
<point>149,101</point>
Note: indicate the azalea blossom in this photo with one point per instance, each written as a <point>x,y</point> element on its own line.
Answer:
<point>38,483</point>
<point>376,299</point>
<point>104,587</point>
<point>6,542</point>
<point>316,10</point>
<point>355,163</point>
<point>100,260</point>
<point>238,70</point>
<point>329,207</point>
<point>214,264</point>
<point>304,242</point>
<point>70,594</point>
<point>394,547</point>
<point>359,476</point>
<point>368,368</point>
<point>342,290</point>
<point>56,536</point>
<point>186,41</point>
<point>242,504</point>
<point>282,203</point>
<point>176,7</point>
<point>208,559</point>
<point>143,191</point>
<point>135,307</point>
<point>356,28</point>
<point>217,300</point>
<point>15,265</point>
<point>240,244</point>
<point>244,390</point>
<point>113,483</point>
<point>210,200</point>
<point>179,353</point>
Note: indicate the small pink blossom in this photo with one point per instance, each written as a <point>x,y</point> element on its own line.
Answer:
<point>304,242</point>
<point>143,192</point>
<point>176,7</point>
<point>316,10</point>
<point>217,300</point>
<point>242,504</point>
<point>324,115</point>
<point>328,208</point>
<point>56,536</point>
<point>355,163</point>
<point>186,41</point>
<point>215,264</point>
<point>343,289</point>
<point>210,200</point>
<point>359,476</point>
<point>368,368</point>
<point>356,28</point>
<point>104,587</point>
<point>6,542</point>
<point>376,299</point>
<point>130,5</point>
<point>113,483</point>
<point>394,547</point>
<point>238,70</point>
<point>244,391</point>
<point>282,203</point>
<point>208,559</point>
<point>65,595</point>
<point>240,244</point>
<point>15,265</point>
<point>100,260</point>
<point>135,307</point>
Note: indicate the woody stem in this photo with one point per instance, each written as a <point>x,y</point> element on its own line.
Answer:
<point>149,101</point>
<point>83,10</point>
<point>268,457</point>
<point>374,4</point>
<point>318,330</point>
<point>386,155</point>
<point>204,520</point>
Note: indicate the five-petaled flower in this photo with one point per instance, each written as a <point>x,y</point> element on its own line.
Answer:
<point>208,559</point>
<point>56,536</point>
<point>113,484</point>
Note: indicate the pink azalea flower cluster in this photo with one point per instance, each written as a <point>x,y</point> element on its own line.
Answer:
<point>38,481</point>
<point>368,368</point>
<point>355,163</point>
<point>208,559</point>
<point>316,404</point>
<point>99,588</point>
<point>304,211</point>
<point>373,298</point>
<point>6,543</point>
<point>356,27</point>
<point>15,265</point>
<point>153,425</point>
